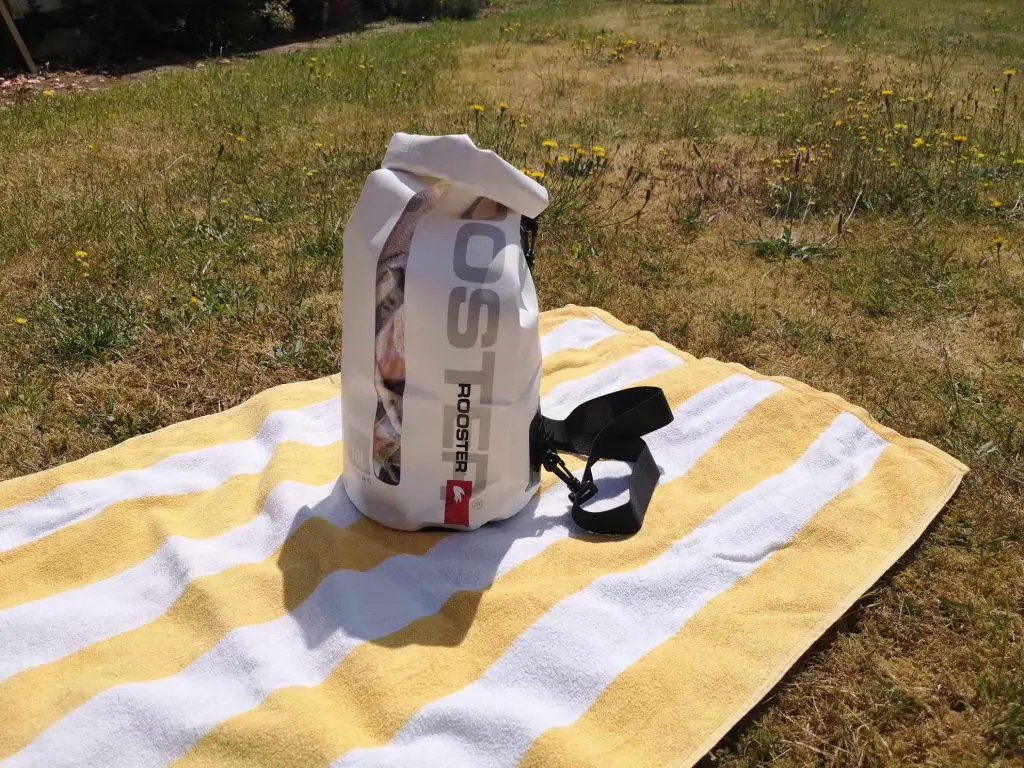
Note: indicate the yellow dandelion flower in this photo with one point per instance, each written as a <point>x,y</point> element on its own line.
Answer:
<point>598,150</point>
<point>887,92</point>
<point>563,158</point>
<point>997,204</point>
<point>477,107</point>
<point>900,127</point>
<point>918,143</point>
<point>1009,72</point>
<point>318,145</point>
<point>550,144</point>
<point>311,172</point>
<point>223,201</point>
<point>48,92</point>
<point>538,175</point>
<point>21,320</point>
<point>81,254</point>
<point>362,66</point>
<point>194,300</point>
<point>960,139</point>
<point>998,241</point>
<point>503,106</point>
<point>239,137</point>
<point>839,123</point>
<point>575,147</point>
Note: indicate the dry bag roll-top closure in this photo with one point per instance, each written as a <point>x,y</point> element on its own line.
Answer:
<point>441,357</point>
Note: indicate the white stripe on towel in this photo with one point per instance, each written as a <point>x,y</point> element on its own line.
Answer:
<point>56,626</point>
<point>554,671</point>
<point>559,402</point>
<point>576,333</point>
<point>200,470</point>
<point>49,629</point>
<point>303,647</point>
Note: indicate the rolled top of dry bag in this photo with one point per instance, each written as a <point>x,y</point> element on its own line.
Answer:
<point>457,161</point>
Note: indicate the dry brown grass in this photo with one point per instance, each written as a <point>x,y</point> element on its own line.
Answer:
<point>914,316</point>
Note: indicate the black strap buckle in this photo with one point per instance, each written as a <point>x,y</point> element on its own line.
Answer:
<point>528,232</point>
<point>608,427</point>
<point>580,491</point>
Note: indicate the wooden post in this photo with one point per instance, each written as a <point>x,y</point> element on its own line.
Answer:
<point>9,21</point>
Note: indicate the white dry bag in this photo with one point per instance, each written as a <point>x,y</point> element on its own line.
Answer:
<point>441,357</point>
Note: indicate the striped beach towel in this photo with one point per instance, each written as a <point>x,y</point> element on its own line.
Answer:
<point>206,595</point>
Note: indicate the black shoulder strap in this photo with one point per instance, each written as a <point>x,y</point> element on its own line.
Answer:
<point>608,427</point>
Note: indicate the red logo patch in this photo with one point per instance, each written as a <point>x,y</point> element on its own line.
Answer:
<point>456,502</point>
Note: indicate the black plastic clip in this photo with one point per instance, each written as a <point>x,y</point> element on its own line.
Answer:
<point>580,491</point>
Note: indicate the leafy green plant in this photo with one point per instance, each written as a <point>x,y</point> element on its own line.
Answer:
<point>785,246</point>
<point>85,327</point>
<point>733,325</point>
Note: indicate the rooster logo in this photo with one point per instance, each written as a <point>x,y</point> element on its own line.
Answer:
<point>457,494</point>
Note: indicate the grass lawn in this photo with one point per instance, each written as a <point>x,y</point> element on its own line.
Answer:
<point>831,190</point>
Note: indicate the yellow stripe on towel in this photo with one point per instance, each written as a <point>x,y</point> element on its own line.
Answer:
<point>240,596</point>
<point>730,654</point>
<point>238,423</point>
<point>206,611</point>
<point>129,531</point>
<point>257,619</point>
<point>417,664</point>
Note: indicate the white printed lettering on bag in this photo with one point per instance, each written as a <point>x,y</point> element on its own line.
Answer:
<point>472,322</point>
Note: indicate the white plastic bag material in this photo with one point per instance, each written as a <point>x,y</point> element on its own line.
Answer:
<point>441,352</point>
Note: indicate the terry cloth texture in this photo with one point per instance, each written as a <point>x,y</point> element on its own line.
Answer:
<point>206,595</point>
